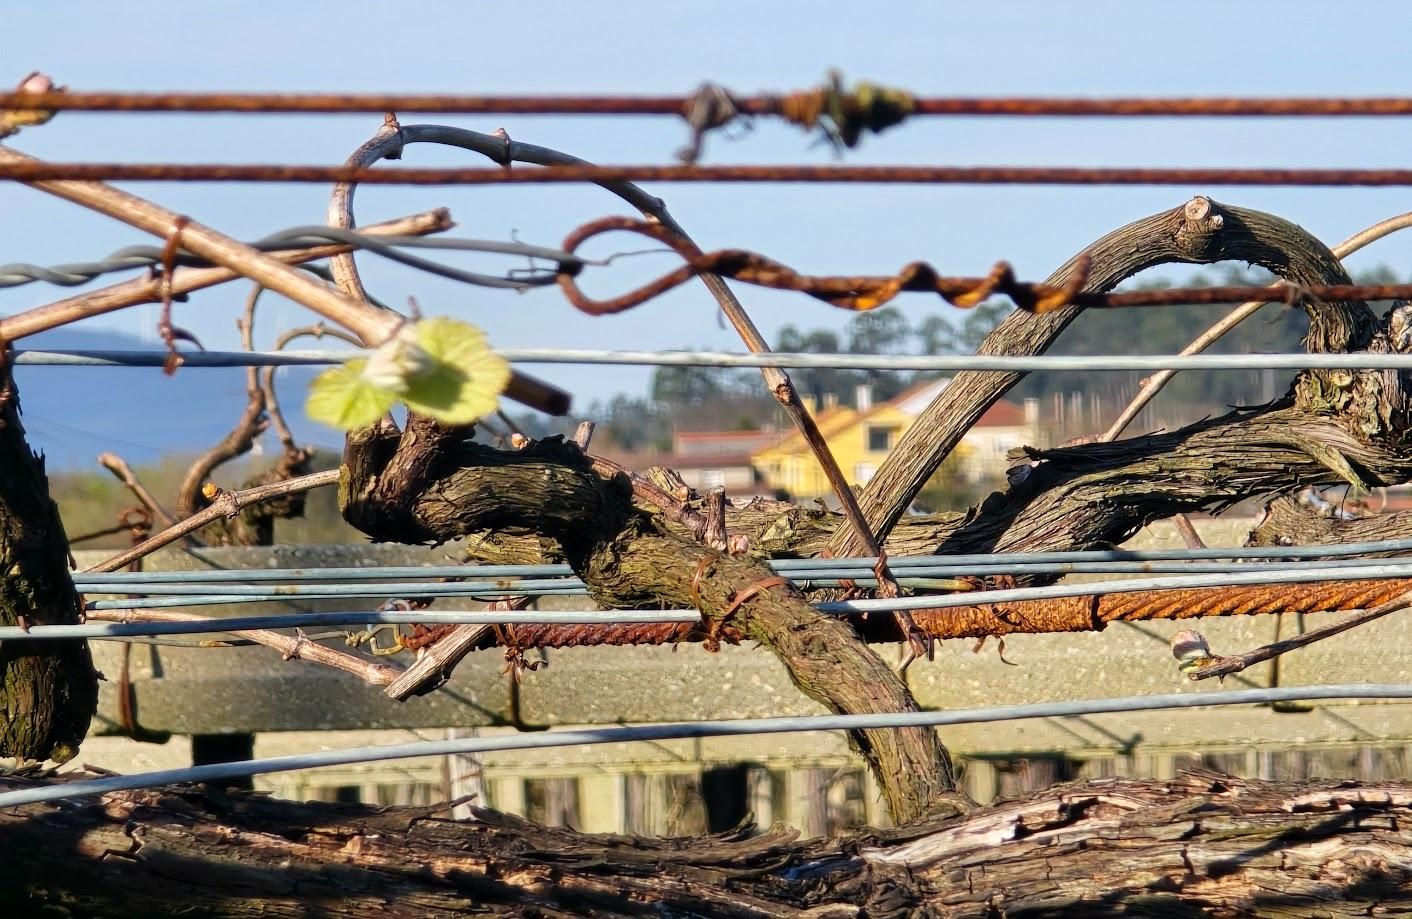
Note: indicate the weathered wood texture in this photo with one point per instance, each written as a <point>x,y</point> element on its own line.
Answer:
<point>48,690</point>
<point>421,484</point>
<point>1200,232</point>
<point>1197,845</point>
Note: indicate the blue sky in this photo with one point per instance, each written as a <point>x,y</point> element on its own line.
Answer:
<point>1100,48</point>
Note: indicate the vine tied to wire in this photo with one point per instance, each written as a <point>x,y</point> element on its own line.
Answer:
<point>853,293</point>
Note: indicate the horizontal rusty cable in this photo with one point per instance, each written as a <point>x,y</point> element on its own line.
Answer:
<point>886,175</point>
<point>871,291</point>
<point>758,105</point>
<point>1087,613</point>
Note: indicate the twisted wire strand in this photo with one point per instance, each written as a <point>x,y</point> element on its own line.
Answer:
<point>131,257</point>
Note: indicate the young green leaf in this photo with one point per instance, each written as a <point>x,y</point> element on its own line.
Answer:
<point>343,398</point>
<point>440,367</point>
<point>463,380</point>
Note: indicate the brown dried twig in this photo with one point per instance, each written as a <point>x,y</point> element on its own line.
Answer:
<point>1220,666</point>
<point>241,439</point>
<point>372,325</point>
<point>119,468</point>
<point>293,647</point>
<point>185,280</point>
<point>225,504</point>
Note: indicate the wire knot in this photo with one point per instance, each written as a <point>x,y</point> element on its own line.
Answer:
<point>843,114</point>
<point>707,109</point>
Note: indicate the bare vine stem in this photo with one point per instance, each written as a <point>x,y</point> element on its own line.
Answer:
<point>226,504</point>
<point>292,647</point>
<point>1222,666</point>
<point>267,374</point>
<point>1154,384</point>
<point>119,468</point>
<point>185,280</point>
<point>392,137</point>
<point>372,325</point>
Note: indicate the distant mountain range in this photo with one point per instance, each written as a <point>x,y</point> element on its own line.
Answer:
<point>72,414</point>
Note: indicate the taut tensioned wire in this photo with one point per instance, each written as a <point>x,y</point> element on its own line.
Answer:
<point>1282,576</point>
<point>863,565</point>
<point>753,174</point>
<point>59,791</point>
<point>789,360</point>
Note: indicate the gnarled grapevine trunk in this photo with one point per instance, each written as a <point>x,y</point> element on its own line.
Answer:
<point>49,690</point>
<point>423,484</point>
<point>1198,845</point>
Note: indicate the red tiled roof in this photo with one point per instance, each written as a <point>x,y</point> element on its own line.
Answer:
<point>722,435</point>
<point>1002,415</point>
<point>701,460</point>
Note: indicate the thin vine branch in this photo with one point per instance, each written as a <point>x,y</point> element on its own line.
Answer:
<point>185,280</point>
<point>372,325</point>
<point>1222,666</point>
<point>267,375</point>
<point>119,468</point>
<point>292,647</point>
<point>390,140</point>
<point>225,504</point>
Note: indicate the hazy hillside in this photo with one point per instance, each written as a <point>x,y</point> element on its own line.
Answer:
<point>74,413</point>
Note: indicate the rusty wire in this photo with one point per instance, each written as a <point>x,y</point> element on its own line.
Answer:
<point>789,173</point>
<point>870,291</point>
<point>757,105</point>
<point>1091,612</point>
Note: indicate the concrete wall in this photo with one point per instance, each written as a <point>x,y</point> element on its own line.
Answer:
<point>297,706</point>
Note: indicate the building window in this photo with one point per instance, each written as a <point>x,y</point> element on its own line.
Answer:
<point>880,438</point>
<point>713,478</point>
<point>863,472</point>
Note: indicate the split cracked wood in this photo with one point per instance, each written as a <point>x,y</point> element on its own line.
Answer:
<point>1198,844</point>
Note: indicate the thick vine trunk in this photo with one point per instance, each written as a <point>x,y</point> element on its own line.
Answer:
<point>422,484</point>
<point>1198,845</point>
<point>49,689</point>
<point>1201,232</point>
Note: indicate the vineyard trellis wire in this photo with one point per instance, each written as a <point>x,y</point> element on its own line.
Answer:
<point>850,113</point>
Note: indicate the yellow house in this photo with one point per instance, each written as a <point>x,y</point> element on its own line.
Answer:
<point>789,465</point>
<point>861,438</point>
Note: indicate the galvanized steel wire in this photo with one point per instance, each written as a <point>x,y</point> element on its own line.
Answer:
<point>863,566</point>
<point>1283,576</point>
<point>789,360</point>
<point>60,791</point>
